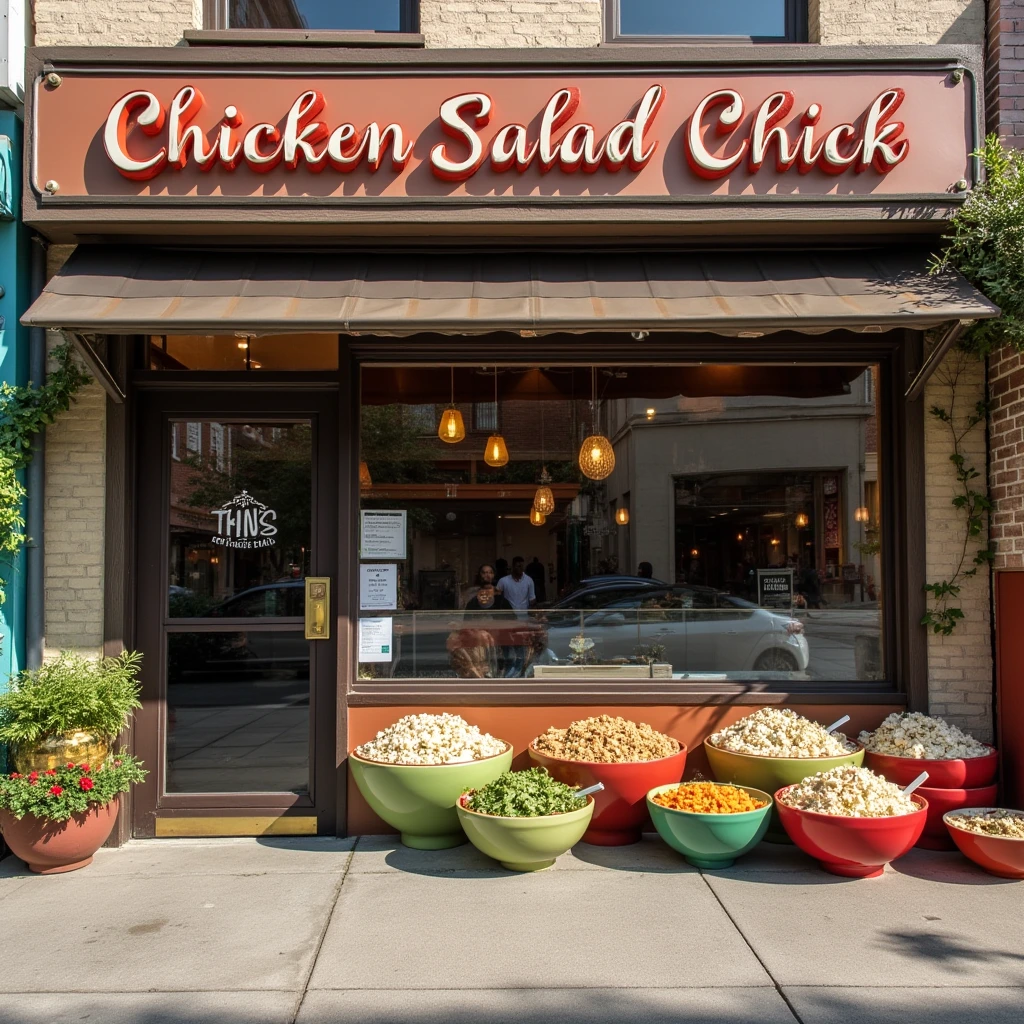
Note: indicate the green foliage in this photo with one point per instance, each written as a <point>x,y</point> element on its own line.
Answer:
<point>61,793</point>
<point>24,411</point>
<point>527,794</point>
<point>68,693</point>
<point>986,244</point>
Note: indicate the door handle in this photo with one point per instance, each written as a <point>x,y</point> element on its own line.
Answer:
<point>318,608</point>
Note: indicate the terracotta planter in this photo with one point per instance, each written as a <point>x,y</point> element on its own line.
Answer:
<point>52,847</point>
<point>76,746</point>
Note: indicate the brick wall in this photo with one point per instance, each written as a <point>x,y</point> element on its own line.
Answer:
<point>836,22</point>
<point>1004,73</point>
<point>511,22</point>
<point>126,23</point>
<point>959,666</point>
<point>1006,386</point>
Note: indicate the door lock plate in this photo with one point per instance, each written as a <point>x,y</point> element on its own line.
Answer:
<point>318,608</point>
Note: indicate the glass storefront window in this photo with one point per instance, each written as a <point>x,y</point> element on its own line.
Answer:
<point>353,15</point>
<point>243,353</point>
<point>736,538</point>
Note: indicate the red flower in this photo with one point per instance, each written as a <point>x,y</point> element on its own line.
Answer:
<point>84,767</point>
<point>50,771</point>
<point>117,764</point>
<point>32,776</point>
<point>70,764</point>
<point>85,783</point>
<point>56,791</point>
<point>15,775</point>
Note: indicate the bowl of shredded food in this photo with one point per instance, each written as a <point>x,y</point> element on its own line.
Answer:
<point>992,837</point>
<point>710,823</point>
<point>524,820</point>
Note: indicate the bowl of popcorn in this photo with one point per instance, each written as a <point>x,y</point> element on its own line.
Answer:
<point>940,802</point>
<point>775,747</point>
<point>852,821</point>
<point>413,772</point>
<point>710,823</point>
<point>992,837</point>
<point>524,820</point>
<point>908,743</point>
<point>629,758</point>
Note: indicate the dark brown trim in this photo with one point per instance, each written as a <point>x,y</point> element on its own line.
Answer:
<point>796,30</point>
<point>298,37</point>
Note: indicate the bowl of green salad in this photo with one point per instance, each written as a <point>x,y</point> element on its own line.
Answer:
<point>524,820</point>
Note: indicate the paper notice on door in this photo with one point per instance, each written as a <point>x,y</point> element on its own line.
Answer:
<point>375,640</point>
<point>378,587</point>
<point>382,533</point>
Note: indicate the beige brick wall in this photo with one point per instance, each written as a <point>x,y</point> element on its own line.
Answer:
<point>125,23</point>
<point>959,666</point>
<point>836,22</point>
<point>522,23</point>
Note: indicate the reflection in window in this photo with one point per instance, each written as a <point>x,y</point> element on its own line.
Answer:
<point>244,353</point>
<point>761,19</point>
<point>751,548</point>
<point>356,15</point>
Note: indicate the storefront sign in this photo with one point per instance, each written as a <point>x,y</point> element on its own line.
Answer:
<point>383,533</point>
<point>243,522</point>
<point>194,132</point>
<point>378,587</point>
<point>375,640</point>
<point>775,588</point>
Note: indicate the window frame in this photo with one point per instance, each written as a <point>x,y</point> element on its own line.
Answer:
<point>796,29</point>
<point>215,17</point>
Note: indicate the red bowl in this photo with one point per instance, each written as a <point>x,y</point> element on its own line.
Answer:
<point>936,835</point>
<point>998,855</point>
<point>852,847</point>
<point>620,809</point>
<point>956,773</point>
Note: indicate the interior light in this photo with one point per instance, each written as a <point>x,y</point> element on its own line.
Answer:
<point>451,429</point>
<point>694,552</point>
<point>651,413</point>
<point>861,514</point>
<point>365,480</point>
<point>537,518</point>
<point>597,457</point>
<point>801,520</point>
<point>496,452</point>
<point>243,344</point>
<point>622,516</point>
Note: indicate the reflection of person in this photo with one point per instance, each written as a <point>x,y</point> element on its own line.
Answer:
<point>487,599</point>
<point>535,570</point>
<point>485,574</point>
<point>517,588</point>
<point>810,587</point>
<point>645,571</point>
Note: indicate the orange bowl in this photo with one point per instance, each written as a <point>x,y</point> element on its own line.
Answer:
<point>998,855</point>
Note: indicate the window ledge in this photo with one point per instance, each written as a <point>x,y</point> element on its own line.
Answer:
<point>300,37</point>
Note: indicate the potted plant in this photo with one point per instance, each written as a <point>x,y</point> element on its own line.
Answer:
<point>68,710</point>
<point>56,819</point>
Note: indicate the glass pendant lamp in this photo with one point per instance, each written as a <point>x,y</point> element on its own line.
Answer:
<point>496,453</point>
<point>622,516</point>
<point>597,457</point>
<point>451,429</point>
<point>365,480</point>
<point>544,499</point>
<point>537,518</point>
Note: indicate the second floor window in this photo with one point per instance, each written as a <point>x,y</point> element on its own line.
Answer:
<point>352,15</point>
<point>756,20</point>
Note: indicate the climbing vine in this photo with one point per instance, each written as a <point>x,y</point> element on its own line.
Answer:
<point>24,411</point>
<point>985,243</point>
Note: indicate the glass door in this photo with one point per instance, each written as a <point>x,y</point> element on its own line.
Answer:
<point>240,701</point>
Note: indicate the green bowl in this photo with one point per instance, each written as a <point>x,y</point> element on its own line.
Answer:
<point>419,799</point>
<point>770,774</point>
<point>710,840</point>
<point>526,844</point>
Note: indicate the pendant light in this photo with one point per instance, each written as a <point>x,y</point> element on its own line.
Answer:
<point>451,429</point>
<point>365,480</point>
<point>544,499</point>
<point>496,453</point>
<point>537,518</point>
<point>622,516</point>
<point>597,457</point>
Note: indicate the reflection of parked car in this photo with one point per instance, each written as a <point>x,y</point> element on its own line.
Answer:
<point>284,598</point>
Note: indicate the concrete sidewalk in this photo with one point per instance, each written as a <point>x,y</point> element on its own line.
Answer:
<point>322,931</point>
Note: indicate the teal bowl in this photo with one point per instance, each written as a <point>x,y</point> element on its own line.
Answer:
<point>419,799</point>
<point>711,840</point>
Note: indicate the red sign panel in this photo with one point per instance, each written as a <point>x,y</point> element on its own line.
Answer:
<point>416,134</point>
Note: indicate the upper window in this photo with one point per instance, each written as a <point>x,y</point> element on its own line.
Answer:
<point>753,20</point>
<point>351,15</point>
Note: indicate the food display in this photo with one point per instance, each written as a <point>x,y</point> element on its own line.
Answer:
<point>850,792</point>
<point>994,822</point>
<point>526,794</point>
<point>606,740</point>
<point>912,734</point>
<point>431,740</point>
<point>779,732</point>
<point>708,798</point>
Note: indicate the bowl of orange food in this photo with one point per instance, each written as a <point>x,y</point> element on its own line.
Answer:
<point>710,823</point>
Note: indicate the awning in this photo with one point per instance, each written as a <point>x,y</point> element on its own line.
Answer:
<point>165,291</point>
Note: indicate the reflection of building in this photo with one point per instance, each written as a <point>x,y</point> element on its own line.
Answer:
<point>717,487</point>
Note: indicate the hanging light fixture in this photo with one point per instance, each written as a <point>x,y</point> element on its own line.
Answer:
<point>597,457</point>
<point>544,498</point>
<point>537,518</point>
<point>451,429</point>
<point>801,520</point>
<point>365,480</point>
<point>496,453</point>
<point>861,514</point>
<point>622,516</point>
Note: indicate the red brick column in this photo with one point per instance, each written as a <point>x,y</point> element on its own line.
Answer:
<point>1004,75</point>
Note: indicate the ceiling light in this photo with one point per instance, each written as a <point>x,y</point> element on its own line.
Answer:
<point>597,457</point>
<point>622,516</point>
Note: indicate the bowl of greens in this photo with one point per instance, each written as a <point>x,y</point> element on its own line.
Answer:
<point>524,820</point>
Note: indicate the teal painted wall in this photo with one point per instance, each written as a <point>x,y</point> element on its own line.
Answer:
<point>14,279</point>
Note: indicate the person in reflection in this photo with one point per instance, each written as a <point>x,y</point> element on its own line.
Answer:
<point>517,588</point>
<point>645,571</point>
<point>487,599</point>
<point>473,649</point>
<point>535,570</point>
<point>484,575</point>
<point>809,587</point>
